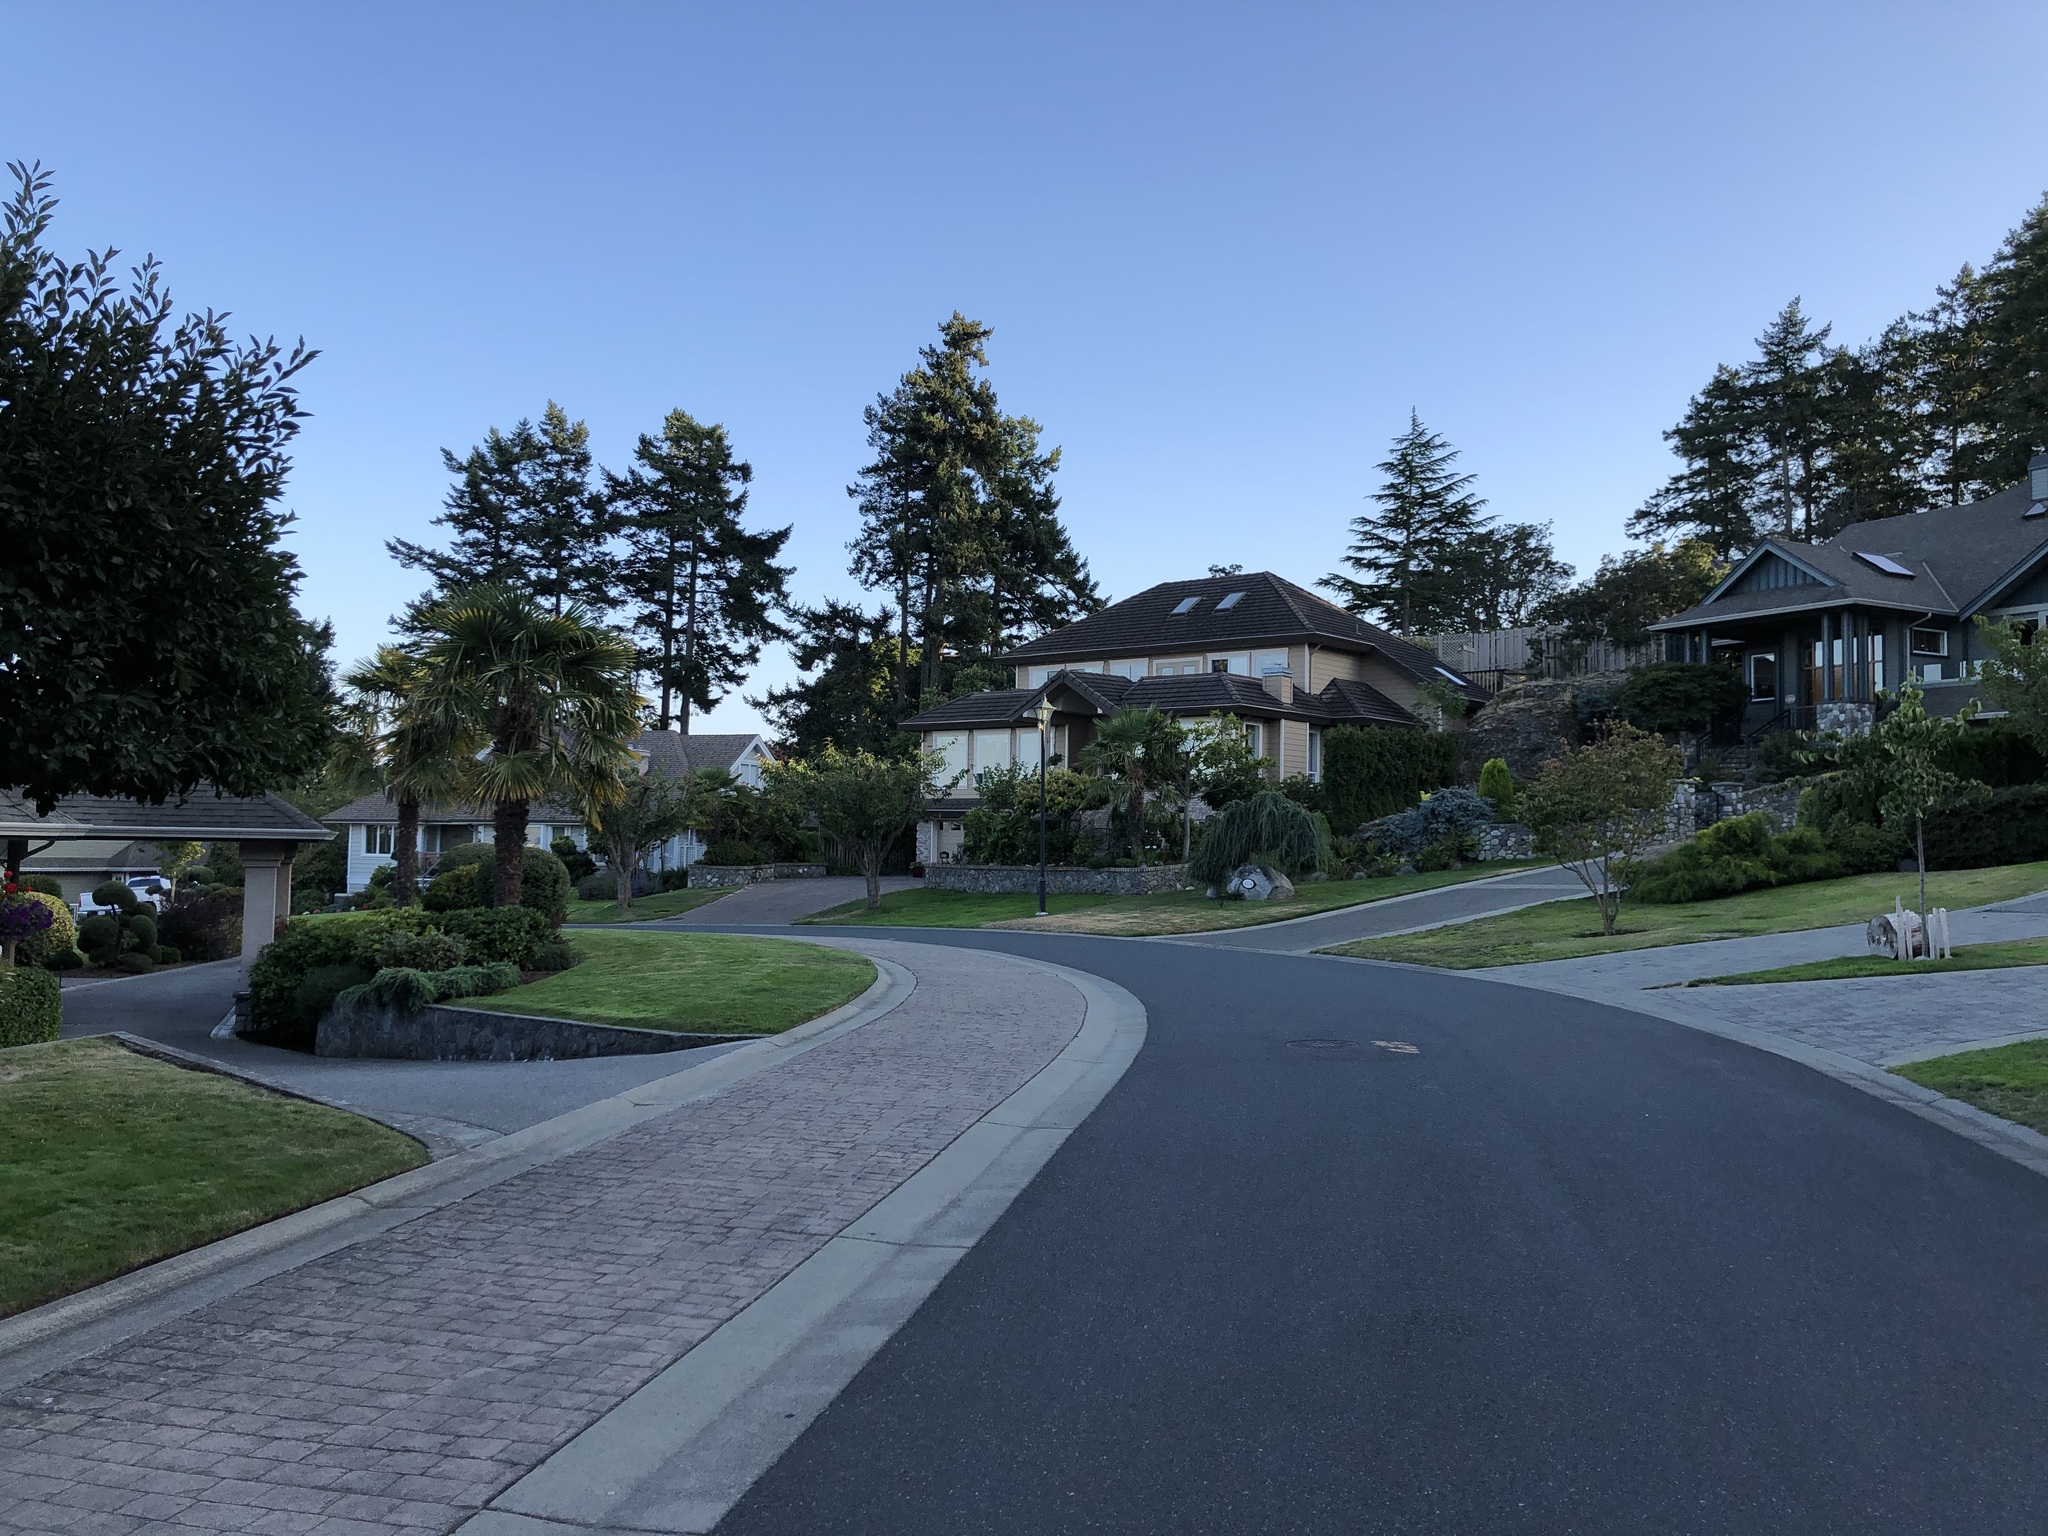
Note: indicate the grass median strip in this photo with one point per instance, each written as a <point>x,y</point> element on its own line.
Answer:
<point>1565,930</point>
<point>1971,957</point>
<point>694,983</point>
<point>110,1160</point>
<point>1138,916</point>
<point>645,908</point>
<point>2010,1081</point>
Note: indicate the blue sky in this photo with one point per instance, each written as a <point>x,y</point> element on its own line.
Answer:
<point>1224,249</point>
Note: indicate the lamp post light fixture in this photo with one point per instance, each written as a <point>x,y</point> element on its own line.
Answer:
<point>1044,713</point>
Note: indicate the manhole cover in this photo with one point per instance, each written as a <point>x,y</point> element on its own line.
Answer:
<point>1321,1045</point>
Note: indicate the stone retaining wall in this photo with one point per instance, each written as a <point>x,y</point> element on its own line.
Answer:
<point>1506,840</point>
<point>704,877</point>
<point>1060,880</point>
<point>441,1032</point>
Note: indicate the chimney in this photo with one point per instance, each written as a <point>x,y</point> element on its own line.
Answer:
<point>1279,682</point>
<point>2037,475</point>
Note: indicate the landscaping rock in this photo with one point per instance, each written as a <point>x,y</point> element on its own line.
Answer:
<point>1258,882</point>
<point>1526,723</point>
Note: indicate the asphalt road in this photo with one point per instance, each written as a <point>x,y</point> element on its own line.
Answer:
<point>1400,914</point>
<point>1560,1269</point>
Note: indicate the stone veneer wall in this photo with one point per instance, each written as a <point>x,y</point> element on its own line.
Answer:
<point>442,1032</point>
<point>702,877</point>
<point>1506,840</point>
<point>1060,879</point>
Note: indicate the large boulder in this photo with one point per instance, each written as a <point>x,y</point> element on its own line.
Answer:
<point>1257,882</point>
<point>1528,723</point>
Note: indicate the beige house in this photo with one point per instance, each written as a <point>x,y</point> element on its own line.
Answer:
<point>1284,662</point>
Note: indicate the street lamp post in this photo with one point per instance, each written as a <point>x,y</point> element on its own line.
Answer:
<point>1044,747</point>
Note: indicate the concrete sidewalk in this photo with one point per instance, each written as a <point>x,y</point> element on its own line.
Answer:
<point>403,1382</point>
<point>1879,1020</point>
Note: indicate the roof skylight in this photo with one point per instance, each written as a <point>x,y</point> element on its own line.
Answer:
<point>1884,563</point>
<point>1230,601</point>
<point>1186,605</point>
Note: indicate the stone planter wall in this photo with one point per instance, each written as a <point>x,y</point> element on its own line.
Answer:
<point>1506,840</point>
<point>705,877</point>
<point>442,1032</point>
<point>1060,879</point>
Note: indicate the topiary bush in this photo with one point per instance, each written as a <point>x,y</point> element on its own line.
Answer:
<point>166,954</point>
<point>48,885</point>
<point>1268,828</point>
<point>139,931</point>
<point>115,893</point>
<point>1740,854</point>
<point>100,937</point>
<point>31,1005</point>
<point>204,924</point>
<point>575,860</point>
<point>1497,785</point>
<point>136,962</point>
<point>65,960</point>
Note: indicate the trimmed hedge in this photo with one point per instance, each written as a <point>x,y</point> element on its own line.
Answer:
<point>1986,827</point>
<point>31,1005</point>
<point>493,934</point>
<point>1374,771</point>
<point>59,937</point>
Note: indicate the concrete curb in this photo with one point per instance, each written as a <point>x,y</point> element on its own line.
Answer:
<point>678,1454</point>
<point>51,1336</point>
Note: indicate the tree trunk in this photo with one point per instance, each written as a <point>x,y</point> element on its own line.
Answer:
<point>405,853</point>
<point>625,865</point>
<point>1920,857</point>
<point>1610,903</point>
<point>508,834</point>
<point>1137,826</point>
<point>871,867</point>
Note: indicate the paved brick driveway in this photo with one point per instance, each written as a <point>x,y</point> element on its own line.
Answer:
<point>398,1385</point>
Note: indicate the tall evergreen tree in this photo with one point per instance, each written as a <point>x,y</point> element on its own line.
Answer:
<point>959,521</point>
<point>525,514</point>
<point>851,703</point>
<point>2014,403</point>
<point>1781,407</point>
<point>1404,558</point>
<point>705,590</point>
<point>1943,347</point>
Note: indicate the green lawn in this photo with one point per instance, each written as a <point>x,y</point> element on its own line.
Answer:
<point>695,983</point>
<point>645,908</point>
<point>1171,912</point>
<point>1969,957</point>
<point>110,1160</point>
<point>2009,1080</point>
<point>1562,930</point>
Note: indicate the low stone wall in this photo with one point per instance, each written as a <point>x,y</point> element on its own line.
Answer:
<point>704,877</point>
<point>1060,880</point>
<point>442,1032</point>
<point>1506,840</point>
<point>1695,807</point>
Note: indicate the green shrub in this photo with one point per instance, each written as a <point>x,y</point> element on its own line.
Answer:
<point>731,855</point>
<point>1374,771</point>
<point>1982,827</point>
<point>138,931</point>
<point>31,1005</point>
<point>100,937</point>
<point>1450,816</point>
<point>47,885</point>
<point>116,893</point>
<point>59,938</point>
<point>1682,695</point>
<point>204,924</point>
<point>1448,854</point>
<point>575,860</point>
<point>408,991</point>
<point>307,944</point>
<point>544,884</point>
<point>1268,828</point>
<point>555,956</point>
<point>1997,753</point>
<point>64,960</point>
<point>136,962</point>
<point>1740,854</point>
<point>405,950</point>
<point>1497,784</point>
<point>464,856</point>
<point>317,990</point>
<point>166,954</point>
<point>495,934</point>
<point>452,890</point>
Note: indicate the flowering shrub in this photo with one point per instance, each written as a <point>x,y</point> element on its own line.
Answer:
<point>22,916</point>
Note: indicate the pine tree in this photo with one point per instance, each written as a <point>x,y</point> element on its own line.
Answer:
<point>525,515</point>
<point>850,701</point>
<point>705,590</point>
<point>1403,557</point>
<point>959,522</point>
<point>1943,347</point>
<point>1782,408</point>
<point>2014,404</point>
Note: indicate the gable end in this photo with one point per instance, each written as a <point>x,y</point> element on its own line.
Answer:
<point>1771,572</point>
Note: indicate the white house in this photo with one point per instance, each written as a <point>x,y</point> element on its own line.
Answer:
<point>370,824</point>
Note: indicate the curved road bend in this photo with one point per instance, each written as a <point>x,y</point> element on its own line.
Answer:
<point>1563,1268</point>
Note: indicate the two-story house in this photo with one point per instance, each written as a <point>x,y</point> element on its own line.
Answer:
<point>370,824</point>
<point>1818,629</point>
<point>1286,663</point>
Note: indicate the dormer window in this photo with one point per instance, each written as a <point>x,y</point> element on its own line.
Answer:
<point>1185,605</point>
<point>1229,602</point>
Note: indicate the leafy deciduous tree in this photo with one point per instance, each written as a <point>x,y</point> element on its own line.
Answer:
<point>1595,806</point>
<point>864,804</point>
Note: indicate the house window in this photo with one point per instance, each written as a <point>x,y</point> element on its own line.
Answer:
<point>1267,661</point>
<point>1315,755</point>
<point>1177,666</point>
<point>1763,675</point>
<point>991,750</point>
<point>377,839</point>
<point>1219,663</point>
<point>1251,736</point>
<point>952,749</point>
<point>1930,642</point>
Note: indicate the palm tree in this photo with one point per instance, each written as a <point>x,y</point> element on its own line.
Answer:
<point>551,697</point>
<point>1127,748</point>
<point>391,740</point>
